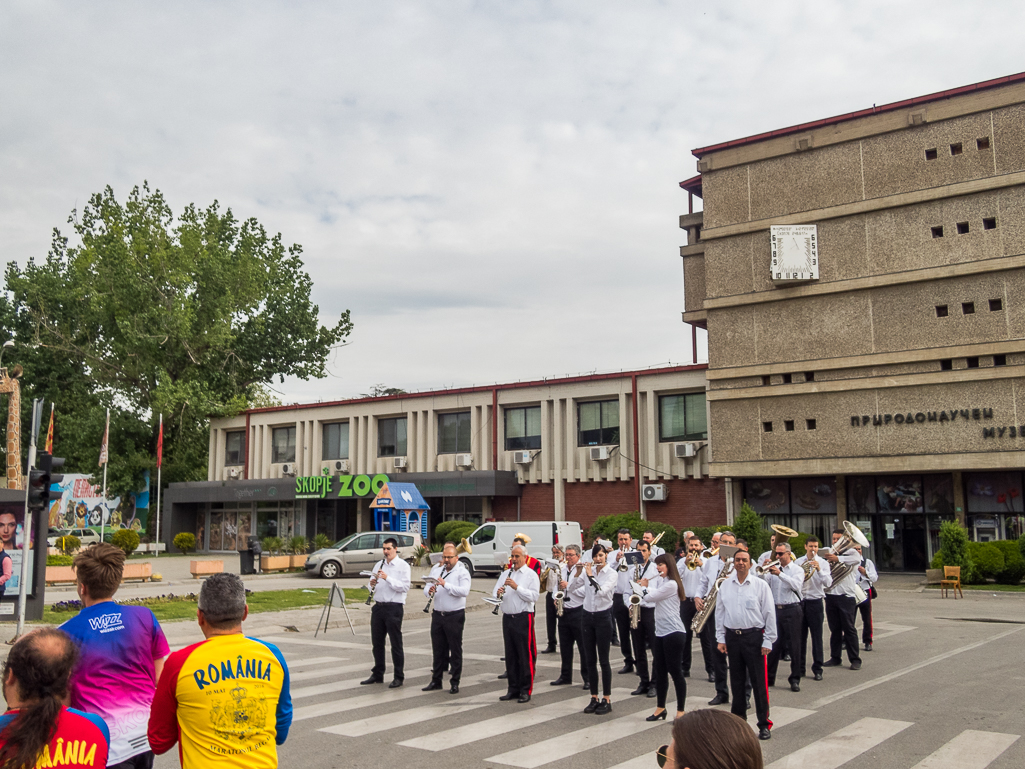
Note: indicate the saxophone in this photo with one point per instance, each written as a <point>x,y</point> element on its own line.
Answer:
<point>726,552</point>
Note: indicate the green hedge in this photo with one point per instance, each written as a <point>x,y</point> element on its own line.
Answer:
<point>1014,564</point>
<point>988,560</point>
<point>59,560</point>
<point>453,531</point>
<point>606,527</point>
<point>125,539</point>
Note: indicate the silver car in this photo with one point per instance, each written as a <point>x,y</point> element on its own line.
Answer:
<point>359,552</point>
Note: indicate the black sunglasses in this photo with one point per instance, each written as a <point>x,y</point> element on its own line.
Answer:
<point>662,755</point>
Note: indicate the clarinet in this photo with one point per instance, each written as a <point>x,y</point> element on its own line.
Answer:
<point>370,598</point>
<point>430,601</point>
<point>501,591</point>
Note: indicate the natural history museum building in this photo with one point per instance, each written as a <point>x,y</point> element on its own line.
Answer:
<point>861,279</point>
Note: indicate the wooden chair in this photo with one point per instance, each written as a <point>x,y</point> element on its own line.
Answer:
<point>951,581</point>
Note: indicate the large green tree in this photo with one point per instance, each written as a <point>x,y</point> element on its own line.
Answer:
<point>146,313</point>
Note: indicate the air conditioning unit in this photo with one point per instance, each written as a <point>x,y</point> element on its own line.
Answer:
<point>288,469</point>
<point>599,453</point>
<point>522,457</point>
<point>654,492</point>
<point>341,465</point>
<point>399,463</point>
<point>464,460</point>
<point>684,450</point>
<point>233,473</point>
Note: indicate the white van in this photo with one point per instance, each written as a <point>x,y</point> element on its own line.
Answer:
<point>493,542</point>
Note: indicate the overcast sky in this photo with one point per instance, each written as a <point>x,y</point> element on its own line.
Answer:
<point>491,187</point>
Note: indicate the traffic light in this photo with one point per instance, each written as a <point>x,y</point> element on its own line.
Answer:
<point>40,478</point>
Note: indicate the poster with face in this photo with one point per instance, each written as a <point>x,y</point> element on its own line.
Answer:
<point>13,547</point>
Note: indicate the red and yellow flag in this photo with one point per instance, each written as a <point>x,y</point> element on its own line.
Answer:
<point>49,433</point>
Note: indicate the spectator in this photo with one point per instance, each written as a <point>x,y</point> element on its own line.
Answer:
<point>121,653</point>
<point>224,700</point>
<point>711,739</point>
<point>37,729</point>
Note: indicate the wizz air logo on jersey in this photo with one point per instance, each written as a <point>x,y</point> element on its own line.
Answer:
<point>107,623</point>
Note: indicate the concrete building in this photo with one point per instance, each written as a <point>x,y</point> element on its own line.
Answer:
<point>859,280</point>
<point>557,449</point>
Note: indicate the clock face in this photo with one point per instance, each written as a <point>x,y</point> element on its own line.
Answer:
<point>795,252</point>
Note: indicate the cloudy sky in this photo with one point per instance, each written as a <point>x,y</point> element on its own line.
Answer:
<point>491,187</point>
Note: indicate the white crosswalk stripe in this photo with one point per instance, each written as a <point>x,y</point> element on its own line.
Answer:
<point>842,746</point>
<point>307,675</point>
<point>351,683</point>
<point>305,663</point>
<point>969,750</point>
<point>406,717</point>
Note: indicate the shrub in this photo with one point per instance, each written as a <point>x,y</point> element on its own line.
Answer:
<point>453,530</point>
<point>68,544</point>
<point>606,527</point>
<point>322,541</point>
<point>126,540</point>
<point>988,560</point>
<point>1014,564</point>
<point>298,545</point>
<point>750,526</point>
<point>954,549</point>
<point>937,561</point>
<point>59,560</point>
<point>704,533</point>
<point>1021,545</point>
<point>185,541</point>
<point>272,545</point>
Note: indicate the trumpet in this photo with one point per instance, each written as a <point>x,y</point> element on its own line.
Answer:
<point>692,560</point>
<point>621,564</point>
<point>762,570</point>
<point>372,575</point>
<point>709,553</point>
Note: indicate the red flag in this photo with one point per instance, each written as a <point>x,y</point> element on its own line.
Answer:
<point>49,433</point>
<point>160,442</point>
<point>106,435</point>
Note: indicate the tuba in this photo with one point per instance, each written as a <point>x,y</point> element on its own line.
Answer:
<point>726,552</point>
<point>852,536</point>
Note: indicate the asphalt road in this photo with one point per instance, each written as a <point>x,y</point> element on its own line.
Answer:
<point>936,692</point>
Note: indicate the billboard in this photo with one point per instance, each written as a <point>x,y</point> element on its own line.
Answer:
<point>81,506</point>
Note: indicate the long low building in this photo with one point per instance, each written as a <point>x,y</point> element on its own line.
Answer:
<point>572,448</point>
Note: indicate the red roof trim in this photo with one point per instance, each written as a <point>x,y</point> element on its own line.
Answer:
<point>693,185</point>
<point>985,85</point>
<point>485,388</point>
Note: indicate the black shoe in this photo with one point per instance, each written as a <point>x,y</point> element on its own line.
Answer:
<point>524,698</point>
<point>711,678</point>
<point>772,682</point>
<point>627,668</point>
<point>371,680</point>
<point>454,689</point>
<point>856,665</point>
<point>586,686</point>
<point>642,689</point>
<point>818,676</point>
<point>504,675</point>
<point>652,692</point>
<point>615,641</point>
<point>795,686</point>
<point>719,699</point>
<point>560,682</point>
<point>508,696</point>
<point>868,646</point>
<point>591,706</point>
<point>549,650</point>
<point>763,734</point>
<point>657,717</point>
<point>786,658</point>
<point>686,674</point>
<point>395,684</point>
<point>603,708</point>
<point>831,663</point>
<point>432,686</point>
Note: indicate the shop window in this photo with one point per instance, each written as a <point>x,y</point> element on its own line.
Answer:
<point>454,432</point>
<point>283,444</point>
<point>682,417</point>
<point>931,154</point>
<point>336,441</point>
<point>391,437</point>
<point>982,143</point>
<point>989,223</point>
<point>598,423</point>
<point>937,232</point>
<point>234,448</point>
<point>956,149</point>
<point>942,311</point>
<point>523,428</point>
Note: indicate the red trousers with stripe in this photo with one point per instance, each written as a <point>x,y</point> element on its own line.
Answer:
<point>520,651</point>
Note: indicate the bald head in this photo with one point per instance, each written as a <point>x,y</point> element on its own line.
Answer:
<point>449,557</point>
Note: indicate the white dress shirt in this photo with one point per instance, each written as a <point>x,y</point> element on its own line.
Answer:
<point>764,557</point>
<point>396,587</point>
<point>649,571</point>
<point>815,588</point>
<point>451,597</point>
<point>691,578</point>
<point>743,605</point>
<point>867,580</point>
<point>787,587</point>
<point>664,594</point>
<point>709,573</point>
<point>846,585</point>
<point>575,586</point>
<point>528,588</point>
<point>656,551</point>
<point>599,598</point>
<point>623,578</point>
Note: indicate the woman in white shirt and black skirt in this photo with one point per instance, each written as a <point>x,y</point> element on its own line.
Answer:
<point>597,628</point>
<point>666,592</point>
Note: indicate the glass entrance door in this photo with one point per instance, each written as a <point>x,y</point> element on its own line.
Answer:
<point>899,542</point>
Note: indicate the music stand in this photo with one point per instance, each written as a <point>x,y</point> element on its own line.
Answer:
<point>334,598</point>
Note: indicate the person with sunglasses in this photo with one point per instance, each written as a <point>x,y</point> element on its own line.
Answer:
<point>710,739</point>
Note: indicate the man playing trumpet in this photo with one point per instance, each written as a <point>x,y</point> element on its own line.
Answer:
<point>449,589</point>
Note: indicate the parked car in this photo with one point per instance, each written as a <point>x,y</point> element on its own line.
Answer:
<point>492,542</point>
<point>359,552</point>
<point>86,536</point>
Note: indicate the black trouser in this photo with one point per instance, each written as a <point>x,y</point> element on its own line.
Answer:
<point>141,761</point>
<point>813,616</point>
<point>571,632</point>
<point>621,613</point>
<point>386,619</point>
<point>597,633</point>
<point>744,650</point>
<point>865,609</point>
<point>718,659</point>
<point>447,643</point>
<point>641,636</point>
<point>666,653</point>
<point>551,620</point>
<point>840,611</point>
<point>687,612</point>
<point>520,651</point>
<point>788,636</point>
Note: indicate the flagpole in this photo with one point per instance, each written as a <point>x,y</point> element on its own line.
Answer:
<point>106,438</point>
<point>159,469</point>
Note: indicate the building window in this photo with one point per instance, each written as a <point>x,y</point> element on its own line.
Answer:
<point>598,423</point>
<point>391,437</point>
<point>453,432</point>
<point>523,428</point>
<point>336,441</point>
<point>682,417</point>
<point>283,444</point>
<point>234,448</point>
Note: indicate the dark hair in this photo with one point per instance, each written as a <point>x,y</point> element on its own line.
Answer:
<point>99,568</point>
<point>811,538</point>
<point>623,530</point>
<point>672,573</point>
<point>391,541</point>
<point>41,663</point>
<point>649,531</point>
<point>841,532</point>
<point>597,549</point>
<point>715,739</point>
<point>742,543</point>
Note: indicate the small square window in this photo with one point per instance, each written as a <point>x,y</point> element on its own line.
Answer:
<point>941,311</point>
<point>962,228</point>
<point>788,379</point>
<point>996,305</point>
<point>810,424</point>
<point>809,376</point>
<point>956,149</point>
<point>999,360</point>
<point>968,308</point>
<point>767,427</point>
<point>982,143</point>
<point>766,380</point>
<point>973,361</point>
<point>931,154</point>
<point>989,223</point>
<point>946,365</point>
<point>788,425</point>
<point>937,232</point>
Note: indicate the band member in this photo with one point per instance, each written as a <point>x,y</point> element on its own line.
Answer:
<point>532,562</point>
<point>745,630</point>
<point>573,584</point>
<point>448,617</point>
<point>840,610</point>
<point>665,593</point>
<point>681,547</point>
<point>642,636</point>
<point>390,586</point>
<point>786,582</point>
<point>867,577</point>
<point>814,593</point>
<point>649,537</point>
<point>767,556</point>
<point>597,624</point>
<point>519,588</point>
<point>689,568</point>
<point>550,618</point>
<point>709,573</point>
<point>620,610</point>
